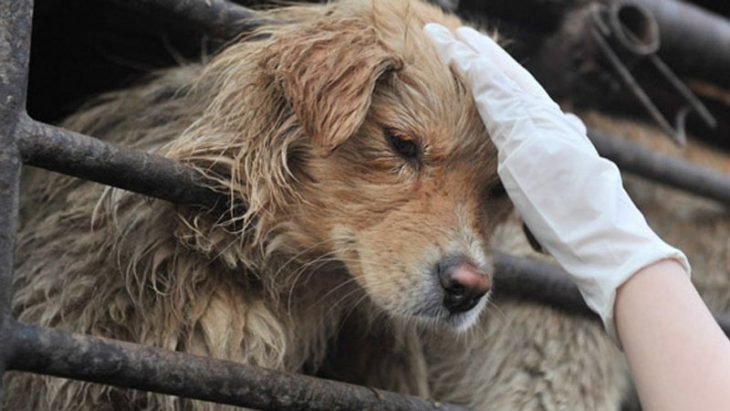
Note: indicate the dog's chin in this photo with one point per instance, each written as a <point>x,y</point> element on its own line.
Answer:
<point>458,322</point>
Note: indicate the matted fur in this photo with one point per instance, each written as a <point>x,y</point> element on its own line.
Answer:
<point>322,263</point>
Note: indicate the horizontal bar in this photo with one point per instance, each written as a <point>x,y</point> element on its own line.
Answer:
<point>81,156</point>
<point>72,153</point>
<point>548,284</point>
<point>632,158</point>
<point>537,281</point>
<point>53,352</point>
<point>219,18</point>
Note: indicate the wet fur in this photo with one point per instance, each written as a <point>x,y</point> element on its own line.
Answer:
<point>325,228</point>
<point>282,284</point>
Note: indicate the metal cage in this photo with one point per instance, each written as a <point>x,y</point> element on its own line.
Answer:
<point>24,141</point>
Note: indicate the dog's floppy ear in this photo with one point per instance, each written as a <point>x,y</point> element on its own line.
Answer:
<point>327,73</point>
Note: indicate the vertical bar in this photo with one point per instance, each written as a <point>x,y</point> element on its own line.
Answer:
<point>15,30</point>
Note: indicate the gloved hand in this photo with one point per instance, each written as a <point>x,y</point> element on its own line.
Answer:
<point>571,198</point>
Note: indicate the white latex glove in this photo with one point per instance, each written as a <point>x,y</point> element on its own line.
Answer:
<point>571,198</point>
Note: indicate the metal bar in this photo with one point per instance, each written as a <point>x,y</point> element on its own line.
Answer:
<point>75,154</point>
<point>637,90</point>
<point>695,42</point>
<point>662,168</point>
<point>53,352</point>
<point>548,284</point>
<point>536,281</point>
<point>15,29</point>
<point>72,153</point>
<point>219,18</point>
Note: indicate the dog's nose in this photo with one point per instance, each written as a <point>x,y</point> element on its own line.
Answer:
<point>464,284</point>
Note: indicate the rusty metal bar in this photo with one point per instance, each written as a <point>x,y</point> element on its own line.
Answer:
<point>601,52</point>
<point>662,168</point>
<point>695,42</point>
<point>15,29</point>
<point>53,352</point>
<point>71,153</point>
<point>75,154</point>
<point>218,18</point>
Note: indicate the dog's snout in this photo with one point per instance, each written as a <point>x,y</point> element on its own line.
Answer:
<point>463,283</point>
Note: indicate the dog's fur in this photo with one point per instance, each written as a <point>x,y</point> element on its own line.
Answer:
<point>323,262</point>
<point>328,229</point>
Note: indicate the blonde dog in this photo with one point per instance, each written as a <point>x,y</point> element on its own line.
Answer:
<point>369,197</point>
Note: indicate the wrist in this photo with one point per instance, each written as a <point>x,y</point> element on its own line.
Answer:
<point>662,280</point>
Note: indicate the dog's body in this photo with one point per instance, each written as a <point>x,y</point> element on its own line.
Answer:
<point>312,125</point>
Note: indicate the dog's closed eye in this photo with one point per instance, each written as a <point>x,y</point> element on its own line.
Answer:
<point>406,148</point>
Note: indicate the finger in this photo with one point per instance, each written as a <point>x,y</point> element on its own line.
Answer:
<point>482,74</point>
<point>450,50</point>
<point>484,45</point>
<point>496,94</point>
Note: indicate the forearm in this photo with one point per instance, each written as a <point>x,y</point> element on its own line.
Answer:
<point>678,355</point>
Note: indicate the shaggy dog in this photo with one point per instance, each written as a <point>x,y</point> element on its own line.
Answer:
<point>362,190</point>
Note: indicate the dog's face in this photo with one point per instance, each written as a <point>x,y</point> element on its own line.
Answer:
<point>400,180</point>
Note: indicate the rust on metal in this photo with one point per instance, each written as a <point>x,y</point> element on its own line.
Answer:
<point>15,29</point>
<point>632,28</point>
<point>78,155</point>
<point>53,352</point>
<point>75,154</point>
<point>603,50</point>
<point>696,42</point>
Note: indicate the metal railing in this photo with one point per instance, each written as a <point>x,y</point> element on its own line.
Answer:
<point>52,352</point>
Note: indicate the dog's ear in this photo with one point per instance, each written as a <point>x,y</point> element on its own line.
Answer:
<point>327,73</point>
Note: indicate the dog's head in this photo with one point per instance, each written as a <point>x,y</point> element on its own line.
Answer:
<point>391,170</point>
<point>399,178</point>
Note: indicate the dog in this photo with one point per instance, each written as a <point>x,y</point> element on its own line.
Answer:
<point>361,201</point>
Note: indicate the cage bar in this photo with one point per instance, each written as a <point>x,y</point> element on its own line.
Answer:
<point>15,26</point>
<point>538,281</point>
<point>681,174</point>
<point>92,159</point>
<point>86,157</point>
<point>83,357</point>
<point>53,352</point>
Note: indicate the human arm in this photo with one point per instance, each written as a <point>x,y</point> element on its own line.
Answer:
<point>574,202</point>
<point>678,355</point>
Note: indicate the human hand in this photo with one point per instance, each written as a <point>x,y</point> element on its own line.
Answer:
<point>572,199</point>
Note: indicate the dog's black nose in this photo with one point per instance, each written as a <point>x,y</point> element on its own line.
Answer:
<point>464,284</point>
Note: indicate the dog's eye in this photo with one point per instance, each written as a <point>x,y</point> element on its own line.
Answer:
<point>406,148</point>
